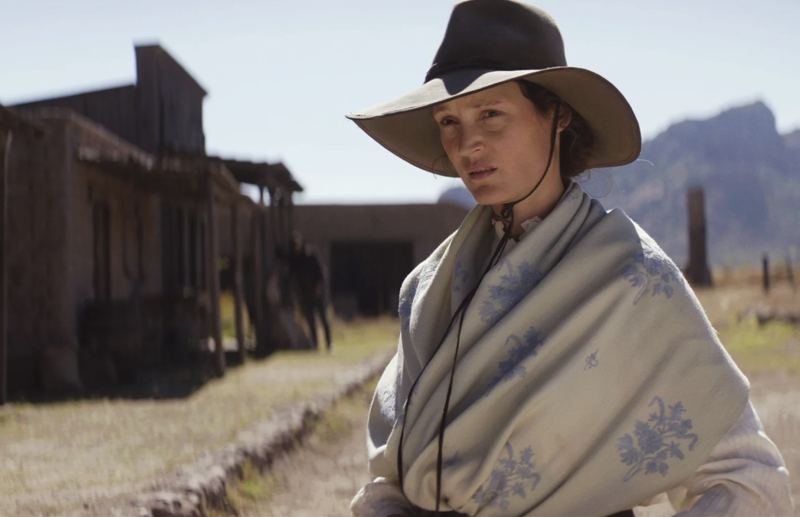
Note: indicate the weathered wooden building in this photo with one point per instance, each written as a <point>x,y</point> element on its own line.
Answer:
<point>117,224</point>
<point>121,232</point>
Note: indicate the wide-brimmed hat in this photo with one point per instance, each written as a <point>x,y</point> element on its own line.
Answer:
<point>487,43</point>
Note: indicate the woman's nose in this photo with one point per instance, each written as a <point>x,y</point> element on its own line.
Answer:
<point>470,140</point>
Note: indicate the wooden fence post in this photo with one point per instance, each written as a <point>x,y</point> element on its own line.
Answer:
<point>765,263</point>
<point>697,272</point>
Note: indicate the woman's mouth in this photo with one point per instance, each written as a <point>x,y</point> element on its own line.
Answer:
<point>483,172</point>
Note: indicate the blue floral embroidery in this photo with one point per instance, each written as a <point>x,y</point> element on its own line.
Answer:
<point>513,367</point>
<point>416,388</point>
<point>512,288</point>
<point>572,195</point>
<point>427,273</point>
<point>453,462</point>
<point>656,441</point>
<point>652,272</point>
<point>417,284</point>
<point>404,307</point>
<point>460,276</point>
<point>512,478</point>
<point>591,361</point>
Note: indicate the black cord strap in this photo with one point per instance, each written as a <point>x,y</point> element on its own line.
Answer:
<point>507,215</point>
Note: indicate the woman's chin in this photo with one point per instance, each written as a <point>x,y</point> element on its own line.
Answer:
<point>486,195</point>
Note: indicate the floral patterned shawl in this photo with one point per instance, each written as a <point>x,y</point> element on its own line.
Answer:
<point>588,377</point>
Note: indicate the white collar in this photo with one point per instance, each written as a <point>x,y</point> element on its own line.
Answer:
<point>527,227</point>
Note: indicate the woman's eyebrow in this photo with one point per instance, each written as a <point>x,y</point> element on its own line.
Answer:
<point>484,104</point>
<point>477,105</point>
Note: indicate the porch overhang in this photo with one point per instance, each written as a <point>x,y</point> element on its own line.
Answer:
<point>10,121</point>
<point>274,176</point>
<point>169,175</point>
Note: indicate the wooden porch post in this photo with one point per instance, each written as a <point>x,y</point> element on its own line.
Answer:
<point>291,216</point>
<point>287,221</point>
<point>261,336</point>
<point>265,221</point>
<point>237,279</point>
<point>5,149</point>
<point>274,215</point>
<point>212,270</point>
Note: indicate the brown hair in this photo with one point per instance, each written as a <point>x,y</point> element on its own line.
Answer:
<point>577,138</point>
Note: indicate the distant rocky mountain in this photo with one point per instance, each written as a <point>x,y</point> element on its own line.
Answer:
<point>751,177</point>
<point>458,196</point>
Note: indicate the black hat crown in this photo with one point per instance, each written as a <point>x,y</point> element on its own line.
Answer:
<point>498,35</point>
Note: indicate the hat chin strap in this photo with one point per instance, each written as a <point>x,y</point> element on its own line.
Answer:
<point>507,214</point>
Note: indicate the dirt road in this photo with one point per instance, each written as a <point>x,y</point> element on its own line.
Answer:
<point>320,478</point>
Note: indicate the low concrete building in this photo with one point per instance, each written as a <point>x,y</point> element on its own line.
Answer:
<point>368,250</point>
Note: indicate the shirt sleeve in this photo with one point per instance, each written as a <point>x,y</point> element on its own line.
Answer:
<point>381,498</point>
<point>744,475</point>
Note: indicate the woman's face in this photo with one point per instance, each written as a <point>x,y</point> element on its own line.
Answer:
<point>498,143</point>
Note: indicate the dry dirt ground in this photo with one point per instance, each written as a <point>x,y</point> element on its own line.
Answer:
<point>777,401</point>
<point>82,456</point>
<point>319,479</point>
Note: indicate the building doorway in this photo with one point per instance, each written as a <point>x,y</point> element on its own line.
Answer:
<point>370,273</point>
<point>101,222</point>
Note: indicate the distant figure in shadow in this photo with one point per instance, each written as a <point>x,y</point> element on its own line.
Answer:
<point>308,277</point>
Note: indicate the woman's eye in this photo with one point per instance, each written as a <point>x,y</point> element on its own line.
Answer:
<point>491,113</point>
<point>447,121</point>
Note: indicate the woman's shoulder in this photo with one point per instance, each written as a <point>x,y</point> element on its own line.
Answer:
<point>618,249</point>
<point>617,227</point>
<point>428,267</point>
<point>478,215</point>
<point>616,231</point>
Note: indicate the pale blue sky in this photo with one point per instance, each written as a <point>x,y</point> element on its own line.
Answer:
<point>282,74</point>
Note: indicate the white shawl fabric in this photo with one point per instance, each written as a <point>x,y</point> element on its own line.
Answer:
<point>588,378</point>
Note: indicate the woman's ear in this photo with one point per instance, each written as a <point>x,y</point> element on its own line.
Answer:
<point>565,116</point>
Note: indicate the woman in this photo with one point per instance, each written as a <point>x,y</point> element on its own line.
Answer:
<point>552,359</point>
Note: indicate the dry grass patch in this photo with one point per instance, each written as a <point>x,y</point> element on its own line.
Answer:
<point>65,453</point>
<point>757,349</point>
<point>761,349</point>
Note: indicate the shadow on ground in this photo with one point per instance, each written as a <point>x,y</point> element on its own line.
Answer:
<point>152,383</point>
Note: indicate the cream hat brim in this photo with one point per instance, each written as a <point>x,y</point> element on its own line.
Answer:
<point>406,127</point>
